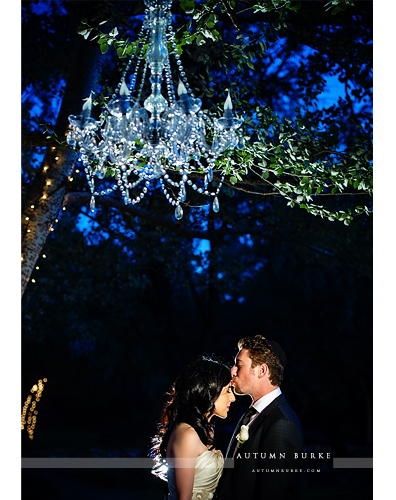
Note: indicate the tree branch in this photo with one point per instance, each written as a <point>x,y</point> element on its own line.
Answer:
<point>37,141</point>
<point>331,152</point>
<point>216,236</point>
<point>231,16</point>
<point>106,201</point>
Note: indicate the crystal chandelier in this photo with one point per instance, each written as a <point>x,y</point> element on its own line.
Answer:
<point>163,142</point>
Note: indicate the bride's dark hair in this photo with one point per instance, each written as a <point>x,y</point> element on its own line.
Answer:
<point>191,400</point>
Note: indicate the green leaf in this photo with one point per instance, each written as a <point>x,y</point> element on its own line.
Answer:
<point>104,48</point>
<point>336,10</point>
<point>188,6</point>
<point>233,180</point>
<point>200,40</point>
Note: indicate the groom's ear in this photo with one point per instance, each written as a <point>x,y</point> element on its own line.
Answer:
<point>262,370</point>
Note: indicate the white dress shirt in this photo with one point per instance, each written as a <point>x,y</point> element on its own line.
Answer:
<point>264,401</point>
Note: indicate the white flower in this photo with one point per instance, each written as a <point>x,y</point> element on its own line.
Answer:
<point>243,435</point>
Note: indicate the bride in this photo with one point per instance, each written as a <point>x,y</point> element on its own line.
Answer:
<point>185,432</point>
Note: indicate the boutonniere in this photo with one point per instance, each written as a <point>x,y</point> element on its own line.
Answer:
<point>243,435</point>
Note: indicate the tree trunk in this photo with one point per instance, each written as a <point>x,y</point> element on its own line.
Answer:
<point>46,200</point>
<point>45,195</point>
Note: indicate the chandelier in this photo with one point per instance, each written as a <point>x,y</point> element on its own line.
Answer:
<point>164,141</point>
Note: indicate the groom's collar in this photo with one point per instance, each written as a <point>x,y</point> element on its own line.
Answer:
<point>266,400</point>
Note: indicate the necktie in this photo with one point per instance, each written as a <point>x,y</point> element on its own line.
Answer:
<point>245,420</point>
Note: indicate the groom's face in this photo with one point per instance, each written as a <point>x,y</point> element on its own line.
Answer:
<point>243,375</point>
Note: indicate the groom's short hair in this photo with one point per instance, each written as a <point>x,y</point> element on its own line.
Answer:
<point>263,351</point>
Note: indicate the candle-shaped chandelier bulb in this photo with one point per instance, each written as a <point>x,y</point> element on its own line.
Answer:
<point>87,107</point>
<point>124,89</point>
<point>228,107</point>
<point>163,141</point>
<point>181,89</point>
<point>228,102</point>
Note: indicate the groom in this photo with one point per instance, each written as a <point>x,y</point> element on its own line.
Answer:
<point>265,464</point>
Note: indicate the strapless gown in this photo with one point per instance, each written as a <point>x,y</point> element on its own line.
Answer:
<point>208,470</point>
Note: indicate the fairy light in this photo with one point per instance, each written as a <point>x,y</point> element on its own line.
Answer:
<point>44,196</point>
<point>48,183</point>
<point>33,280</point>
<point>28,231</point>
<point>31,206</point>
<point>45,168</point>
<point>26,218</point>
<point>64,208</point>
<point>37,267</point>
<point>29,416</point>
<point>56,158</point>
<point>44,256</point>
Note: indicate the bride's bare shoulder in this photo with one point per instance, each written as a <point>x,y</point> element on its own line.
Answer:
<point>184,441</point>
<point>185,431</point>
<point>186,436</point>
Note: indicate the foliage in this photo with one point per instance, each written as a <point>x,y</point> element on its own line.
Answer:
<point>302,152</point>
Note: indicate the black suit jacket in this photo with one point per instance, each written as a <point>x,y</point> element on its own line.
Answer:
<point>265,465</point>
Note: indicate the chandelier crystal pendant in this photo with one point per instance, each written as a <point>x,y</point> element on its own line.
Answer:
<point>164,138</point>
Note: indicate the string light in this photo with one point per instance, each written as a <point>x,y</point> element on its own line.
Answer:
<point>64,208</point>
<point>31,419</point>
<point>56,158</point>
<point>28,231</point>
<point>33,280</point>
<point>48,183</point>
<point>44,196</point>
<point>26,218</point>
<point>31,206</point>
<point>44,256</point>
<point>45,168</point>
<point>37,267</point>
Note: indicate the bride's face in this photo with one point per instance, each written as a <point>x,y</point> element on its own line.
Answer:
<point>222,403</point>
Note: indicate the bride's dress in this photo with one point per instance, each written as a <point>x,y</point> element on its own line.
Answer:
<point>208,470</point>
